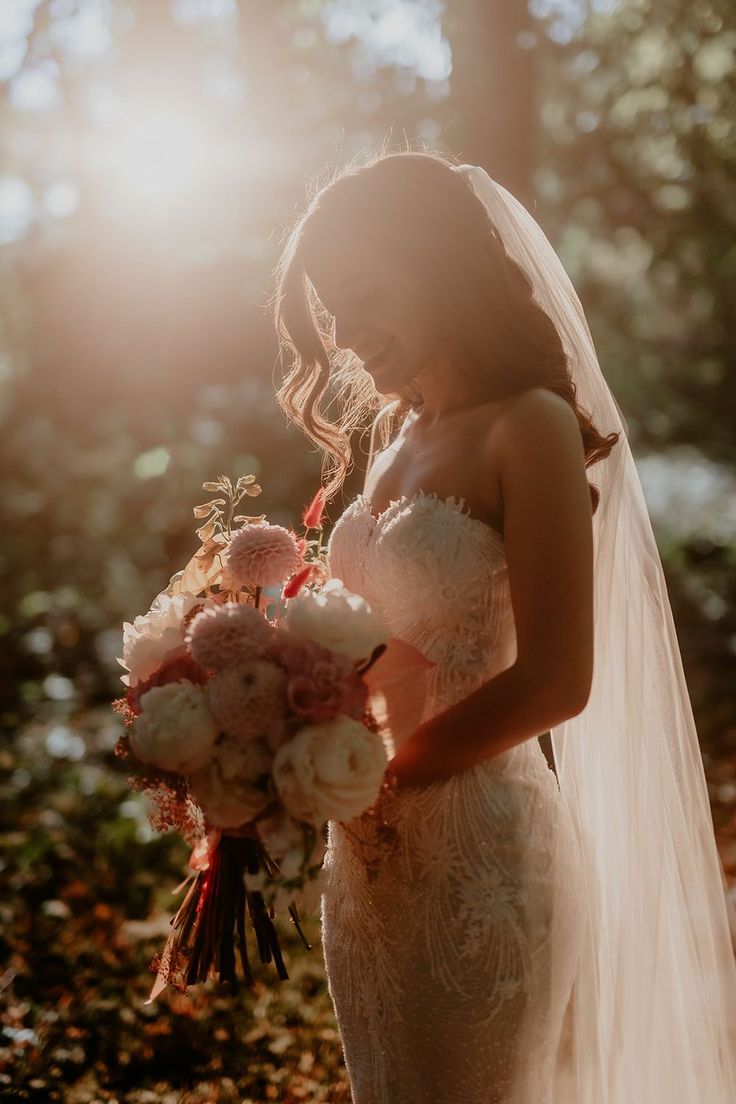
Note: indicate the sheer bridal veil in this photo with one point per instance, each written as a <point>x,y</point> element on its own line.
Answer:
<point>653,1008</point>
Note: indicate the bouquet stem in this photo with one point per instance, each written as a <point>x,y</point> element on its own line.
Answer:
<point>212,921</point>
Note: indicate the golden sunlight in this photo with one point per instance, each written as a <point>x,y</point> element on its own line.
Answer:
<point>160,154</point>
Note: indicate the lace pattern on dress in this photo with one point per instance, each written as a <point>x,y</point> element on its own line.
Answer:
<point>450,937</point>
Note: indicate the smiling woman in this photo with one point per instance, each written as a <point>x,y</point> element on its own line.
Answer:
<point>393,272</point>
<point>492,933</point>
<point>380,310</point>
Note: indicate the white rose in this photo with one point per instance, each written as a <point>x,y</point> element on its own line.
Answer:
<point>337,619</point>
<point>330,771</point>
<point>293,844</point>
<point>297,848</point>
<point>233,788</point>
<point>306,896</point>
<point>281,834</point>
<point>155,636</point>
<point>175,730</point>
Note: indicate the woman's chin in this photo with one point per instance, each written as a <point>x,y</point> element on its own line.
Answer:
<point>384,389</point>
<point>386,381</point>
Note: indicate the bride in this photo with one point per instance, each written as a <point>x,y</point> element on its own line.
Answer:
<point>496,932</point>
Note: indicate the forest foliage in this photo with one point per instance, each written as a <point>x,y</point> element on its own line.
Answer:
<point>155,153</point>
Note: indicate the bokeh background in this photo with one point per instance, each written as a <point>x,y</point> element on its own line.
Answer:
<point>154,152</point>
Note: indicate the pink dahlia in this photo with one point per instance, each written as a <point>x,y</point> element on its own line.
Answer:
<point>246,701</point>
<point>227,635</point>
<point>262,555</point>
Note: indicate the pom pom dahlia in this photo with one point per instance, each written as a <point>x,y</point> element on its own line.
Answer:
<point>261,555</point>
<point>227,635</point>
<point>246,701</point>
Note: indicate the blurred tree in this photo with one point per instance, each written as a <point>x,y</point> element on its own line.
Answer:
<point>494,89</point>
<point>637,170</point>
<point>636,176</point>
<point>155,152</point>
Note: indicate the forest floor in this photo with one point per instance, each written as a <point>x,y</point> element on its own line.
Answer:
<point>86,902</point>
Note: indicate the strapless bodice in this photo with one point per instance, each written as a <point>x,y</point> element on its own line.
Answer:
<point>439,577</point>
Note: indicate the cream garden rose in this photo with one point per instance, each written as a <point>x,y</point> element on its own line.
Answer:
<point>175,730</point>
<point>337,619</point>
<point>330,771</point>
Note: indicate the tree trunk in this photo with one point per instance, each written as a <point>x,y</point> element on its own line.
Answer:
<point>493,90</point>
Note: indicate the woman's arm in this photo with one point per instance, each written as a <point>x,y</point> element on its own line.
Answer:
<point>549,550</point>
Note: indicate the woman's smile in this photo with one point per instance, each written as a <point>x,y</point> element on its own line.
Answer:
<point>377,358</point>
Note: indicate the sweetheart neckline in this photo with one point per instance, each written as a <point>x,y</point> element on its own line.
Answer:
<point>452,501</point>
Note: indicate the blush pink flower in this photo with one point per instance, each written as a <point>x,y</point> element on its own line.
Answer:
<point>248,701</point>
<point>227,635</point>
<point>320,683</point>
<point>261,555</point>
<point>177,667</point>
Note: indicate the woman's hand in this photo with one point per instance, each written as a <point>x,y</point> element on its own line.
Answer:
<point>418,762</point>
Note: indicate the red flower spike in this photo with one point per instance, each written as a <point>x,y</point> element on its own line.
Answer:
<point>296,582</point>
<point>312,516</point>
<point>301,545</point>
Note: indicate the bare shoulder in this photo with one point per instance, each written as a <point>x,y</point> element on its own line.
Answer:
<point>548,537</point>
<point>534,419</point>
<point>531,448</point>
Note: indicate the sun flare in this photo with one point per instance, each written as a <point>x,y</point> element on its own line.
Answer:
<point>158,155</point>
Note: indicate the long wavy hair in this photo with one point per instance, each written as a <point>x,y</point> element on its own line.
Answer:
<point>416,208</point>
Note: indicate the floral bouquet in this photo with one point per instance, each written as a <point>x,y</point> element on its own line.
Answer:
<point>250,732</point>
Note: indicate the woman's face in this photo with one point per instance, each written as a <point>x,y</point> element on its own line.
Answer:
<point>379,311</point>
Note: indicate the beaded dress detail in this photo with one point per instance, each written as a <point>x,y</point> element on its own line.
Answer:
<point>451,941</point>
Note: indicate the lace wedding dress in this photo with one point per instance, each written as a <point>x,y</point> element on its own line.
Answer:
<point>450,943</point>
